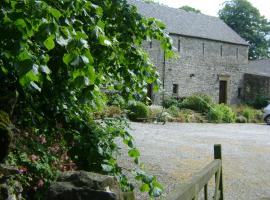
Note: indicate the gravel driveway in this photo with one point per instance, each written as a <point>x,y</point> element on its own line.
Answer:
<point>173,152</point>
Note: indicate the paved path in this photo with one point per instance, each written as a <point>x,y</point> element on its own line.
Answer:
<point>175,151</point>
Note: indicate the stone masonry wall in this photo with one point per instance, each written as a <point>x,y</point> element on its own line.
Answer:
<point>200,65</point>
<point>255,86</point>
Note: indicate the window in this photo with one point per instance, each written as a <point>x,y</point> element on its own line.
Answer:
<point>221,50</point>
<point>179,45</point>
<point>175,89</point>
<point>203,48</point>
<point>151,44</point>
<point>239,95</point>
<point>237,53</point>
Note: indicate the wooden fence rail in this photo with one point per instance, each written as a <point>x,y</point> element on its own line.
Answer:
<point>191,189</point>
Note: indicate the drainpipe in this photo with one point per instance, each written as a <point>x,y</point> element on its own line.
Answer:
<point>163,75</point>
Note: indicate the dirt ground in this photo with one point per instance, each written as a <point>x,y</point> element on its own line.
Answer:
<point>173,152</point>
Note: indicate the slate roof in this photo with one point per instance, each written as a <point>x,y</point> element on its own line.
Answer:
<point>259,67</point>
<point>189,24</point>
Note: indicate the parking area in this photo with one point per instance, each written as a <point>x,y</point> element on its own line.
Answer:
<point>175,151</point>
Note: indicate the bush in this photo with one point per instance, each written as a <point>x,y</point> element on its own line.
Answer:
<point>249,113</point>
<point>199,102</point>
<point>137,111</point>
<point>116,100</point>
<point>259,102</point>
<point>241,119</point>
<point>185,115</point>
<point>252,115</point>
<point>154,111</point>
<point>221,113</point>
<point>173,111</point>
<point>215,115</point>
<point>168,102</point>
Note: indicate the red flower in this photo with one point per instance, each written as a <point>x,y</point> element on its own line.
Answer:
<point>40,183</point>
<point>22,169</point>
<point>42,139</point>
<point>34,158</point>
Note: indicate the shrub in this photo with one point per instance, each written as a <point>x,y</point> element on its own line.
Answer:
<point>221,113</point>
<point>258,102</point>
<point>215,115</point>
<point>185,115</point>
<point>199,102</point>
<point>137,111</point>
<point>154,111</point>
<point>158,114</point>
<point>116,100</point>
<point>241,119</point>
<point>168,102</point>
<point>249,113</point>
<point>173,111</point>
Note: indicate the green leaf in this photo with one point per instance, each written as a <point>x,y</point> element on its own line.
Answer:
<point>68,58</point>
<point>62,41</point>
<point>49,42</point>
<point>56,13</point>
<point>104,41</point>
<point>145,188</point>
<point>133,153</point>
<point>28,78</point>
<point>45,69</point>
<point>85,60</point>
<point>35,86</point>
<point>20,23</point>
<point>24,55</point>
<point>76,61</point>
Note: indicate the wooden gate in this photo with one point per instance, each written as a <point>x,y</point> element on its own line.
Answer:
<point>191,189</point>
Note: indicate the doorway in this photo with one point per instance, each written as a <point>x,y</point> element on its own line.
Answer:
<point>223,92</point>
<point>150,92</point>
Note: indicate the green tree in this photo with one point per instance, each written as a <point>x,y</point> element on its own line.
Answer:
<point>190,9</point>
<point>59,57</point>
<point>247,21</point>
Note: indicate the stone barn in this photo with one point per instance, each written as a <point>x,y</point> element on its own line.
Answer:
<point>257,80</point>
<point>211,56</point>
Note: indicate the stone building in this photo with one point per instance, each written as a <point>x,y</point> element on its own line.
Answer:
<point>211,56</point>
<point>257,79</point>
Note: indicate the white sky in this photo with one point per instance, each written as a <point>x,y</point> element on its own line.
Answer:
<point>211,7</point>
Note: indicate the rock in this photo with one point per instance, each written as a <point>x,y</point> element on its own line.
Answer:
<point>84,186</point>
<point>6,170</point>
<point>10,190</point>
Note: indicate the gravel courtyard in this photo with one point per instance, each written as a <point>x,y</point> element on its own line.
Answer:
<point>175,151</point>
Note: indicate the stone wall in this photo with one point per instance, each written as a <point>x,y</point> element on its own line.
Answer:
<point>256,85</point>
<point>200,65</point>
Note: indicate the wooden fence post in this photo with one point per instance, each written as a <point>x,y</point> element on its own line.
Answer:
<point>218,155</point>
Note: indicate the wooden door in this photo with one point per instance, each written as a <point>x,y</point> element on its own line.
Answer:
<point>223,92</point>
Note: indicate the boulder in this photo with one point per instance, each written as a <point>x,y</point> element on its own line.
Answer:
<point>84,185</point>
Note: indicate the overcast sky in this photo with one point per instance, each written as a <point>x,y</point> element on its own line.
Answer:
<point>211,7</point>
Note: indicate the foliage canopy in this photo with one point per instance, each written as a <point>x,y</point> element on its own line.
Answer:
<point>247,21</point>
<point>57,58</point>
<point>190,9</point>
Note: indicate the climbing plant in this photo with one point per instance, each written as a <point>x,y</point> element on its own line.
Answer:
<point>57,59</point>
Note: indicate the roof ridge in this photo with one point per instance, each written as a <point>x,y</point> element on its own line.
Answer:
<point>177,9</point>
<point>182,22</point>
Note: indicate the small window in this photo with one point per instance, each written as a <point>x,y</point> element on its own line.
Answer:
<point>221,50</point>
<point>239,95</point>
<point>237,51</point>
<point>151,44</point>
<point>203,48</point>
<point>175,89</point>
<point>179,45</point>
